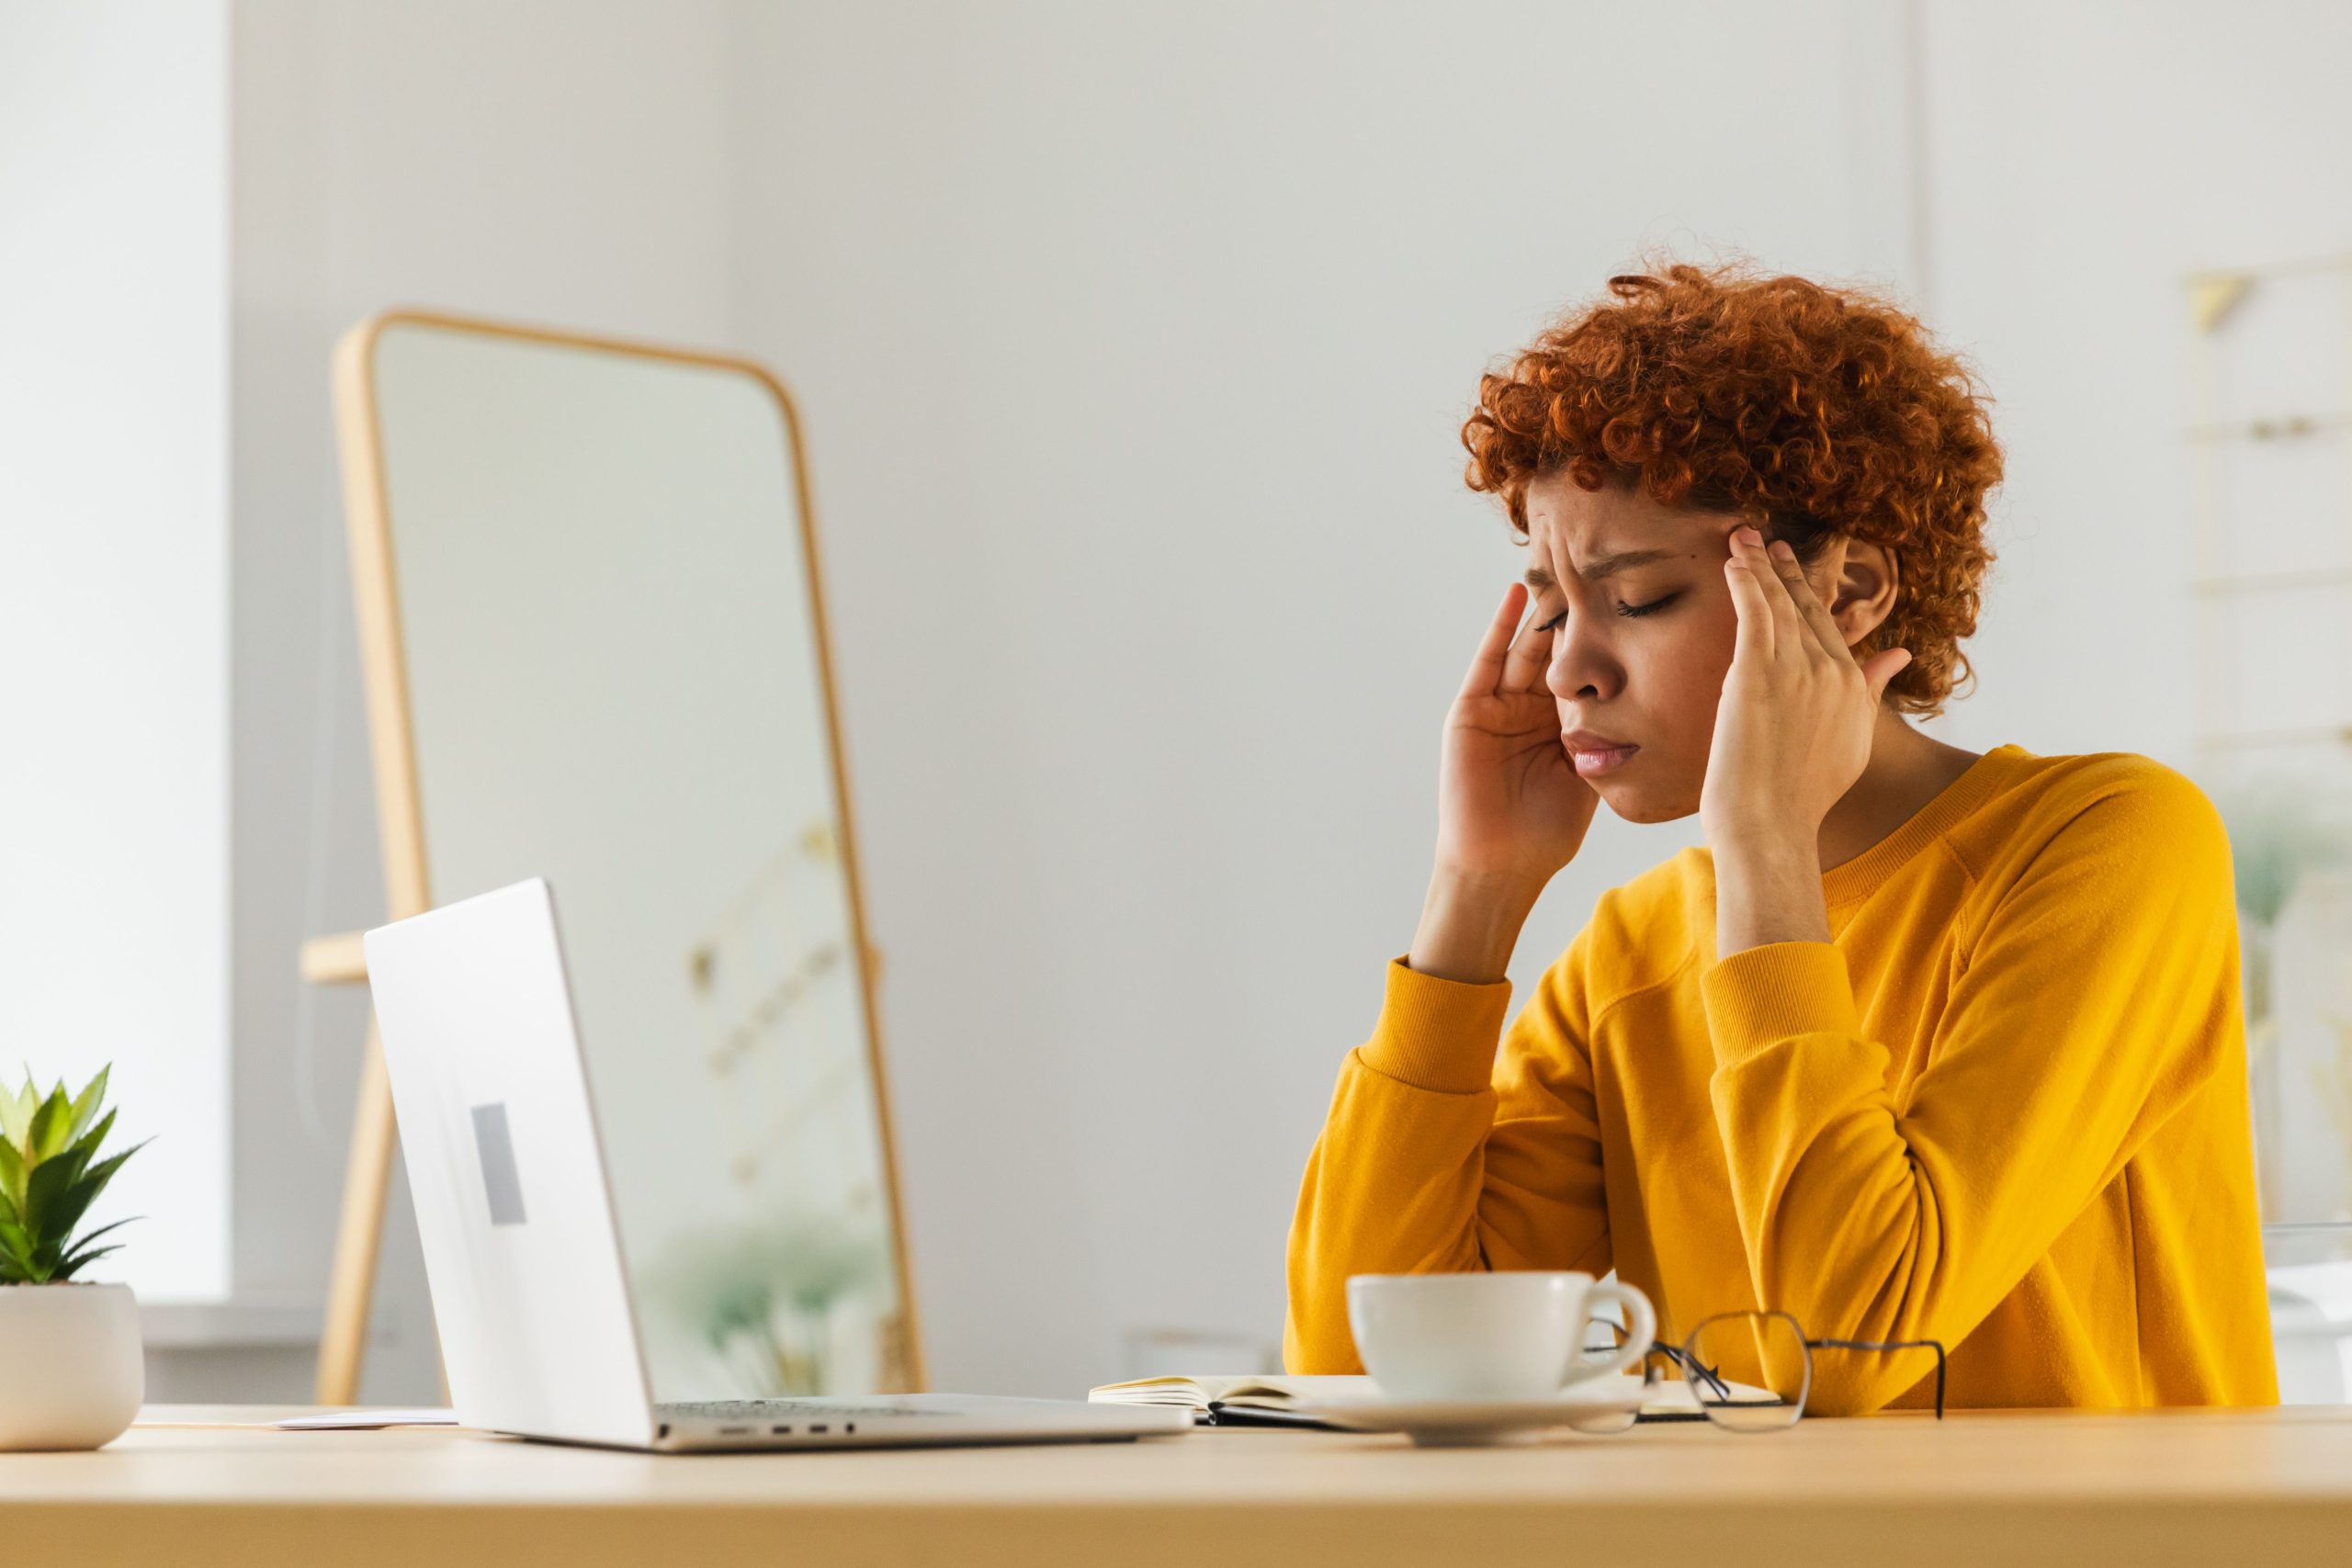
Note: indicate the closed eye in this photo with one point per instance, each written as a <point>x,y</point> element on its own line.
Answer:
<point>1623,610</point>
<point>1556,622</point>
<point>1646,609</point>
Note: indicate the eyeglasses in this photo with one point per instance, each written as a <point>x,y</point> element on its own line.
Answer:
<point>1770,1346</point>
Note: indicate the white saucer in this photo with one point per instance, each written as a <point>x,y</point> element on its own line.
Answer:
<point>1480,1423</point>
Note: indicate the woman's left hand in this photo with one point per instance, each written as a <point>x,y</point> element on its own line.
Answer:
<point>1795,727</point>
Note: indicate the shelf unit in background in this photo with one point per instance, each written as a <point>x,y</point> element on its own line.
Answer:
<point>2270,448</point>
<point>2271,421</point>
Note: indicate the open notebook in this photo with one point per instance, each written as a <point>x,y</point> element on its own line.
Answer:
<point>1264,1400</point>
<point>1272,1401</point>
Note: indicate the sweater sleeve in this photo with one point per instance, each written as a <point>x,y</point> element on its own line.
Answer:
<point>1438,1157</point>
<point>2100,994</point>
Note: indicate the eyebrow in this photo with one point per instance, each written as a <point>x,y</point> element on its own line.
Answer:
<point>1605,566</point>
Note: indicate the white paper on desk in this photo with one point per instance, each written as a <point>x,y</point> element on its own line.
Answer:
<point>367,1420</point>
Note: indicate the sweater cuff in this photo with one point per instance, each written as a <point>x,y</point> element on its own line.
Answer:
<point>1777,992</point>
<point>1437,1034</point>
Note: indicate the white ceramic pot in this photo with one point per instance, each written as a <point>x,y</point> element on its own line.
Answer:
<point>72,1371</point>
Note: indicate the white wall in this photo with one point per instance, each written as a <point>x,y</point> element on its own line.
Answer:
<point>539,161</point>
<point>113,599</point>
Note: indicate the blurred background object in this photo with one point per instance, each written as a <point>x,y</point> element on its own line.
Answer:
<point>2311,1310</point>
<point>1133,342</point>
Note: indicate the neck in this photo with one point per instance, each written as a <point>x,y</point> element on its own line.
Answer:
<point>1907,770</point>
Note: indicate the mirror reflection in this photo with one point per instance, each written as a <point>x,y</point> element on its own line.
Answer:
<point>616,680</point>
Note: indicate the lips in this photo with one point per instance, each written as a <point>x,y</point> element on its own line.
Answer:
<point>1595,755</point>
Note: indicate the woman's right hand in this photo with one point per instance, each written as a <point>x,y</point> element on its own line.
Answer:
<point>1511,809</point>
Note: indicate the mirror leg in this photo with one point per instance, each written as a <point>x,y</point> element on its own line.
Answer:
<point>367,1181</point>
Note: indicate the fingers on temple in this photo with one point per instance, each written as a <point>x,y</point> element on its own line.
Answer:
<point>1810,610</point>
<point>1487,667</point>
<point>1754,639</point>
<point>1523,668</point>
<point>1788,624</point>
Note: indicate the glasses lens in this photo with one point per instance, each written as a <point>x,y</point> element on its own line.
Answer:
<point>1748,1370</point>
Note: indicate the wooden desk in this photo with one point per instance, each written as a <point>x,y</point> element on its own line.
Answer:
<point>2202,1487</point>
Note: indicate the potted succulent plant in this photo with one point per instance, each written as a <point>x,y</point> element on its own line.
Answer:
<point>76,1372</point>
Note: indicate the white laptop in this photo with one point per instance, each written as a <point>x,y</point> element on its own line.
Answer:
<point>540,1334</point>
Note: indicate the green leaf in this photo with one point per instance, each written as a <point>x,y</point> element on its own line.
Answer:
<point>87,1103</point>
<point>103,1172</point>
<point>48,1190</point>
<point>115,1225</point>
<point>80,1261</point>
<point>87,1144</point>
<point>61,1131</point>
<point>47,1134</point>
<point>17,1264</point>
<point>17,1112</point>
<point>54,1206</point>
<point>12,1172</point>
<point>95,1181</point>
<point>84,1254</point>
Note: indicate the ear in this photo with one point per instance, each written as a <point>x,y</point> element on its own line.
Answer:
<point>1862,577</point>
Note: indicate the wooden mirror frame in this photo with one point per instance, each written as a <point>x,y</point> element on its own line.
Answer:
<point>338,960</point>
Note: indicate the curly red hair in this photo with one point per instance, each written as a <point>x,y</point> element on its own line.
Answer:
<point>1815,412</point>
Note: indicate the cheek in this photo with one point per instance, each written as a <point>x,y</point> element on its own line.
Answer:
<point>1694,667</point>
<point>1718,636</point>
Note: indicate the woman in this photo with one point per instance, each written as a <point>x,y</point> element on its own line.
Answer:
<point>1925,1044</point>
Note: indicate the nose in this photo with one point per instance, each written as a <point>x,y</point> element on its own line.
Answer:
<point>1582,669</point>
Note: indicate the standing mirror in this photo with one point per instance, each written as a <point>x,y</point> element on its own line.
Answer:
<point>594,642</point>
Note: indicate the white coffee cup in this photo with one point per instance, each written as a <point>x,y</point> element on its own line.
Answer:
<point>1513,1334</point>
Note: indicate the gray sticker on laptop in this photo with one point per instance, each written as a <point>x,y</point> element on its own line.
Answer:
<point>499,1176</point>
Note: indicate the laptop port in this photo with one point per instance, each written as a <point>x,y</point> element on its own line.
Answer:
<point>734,1431</point>
<point>779,1431</point>
<point>817,1426</point>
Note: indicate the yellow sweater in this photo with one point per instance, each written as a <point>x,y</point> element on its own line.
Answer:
<point>2004,1106</point>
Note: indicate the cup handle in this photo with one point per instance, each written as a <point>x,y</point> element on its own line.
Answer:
<point>1641,1327</point>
